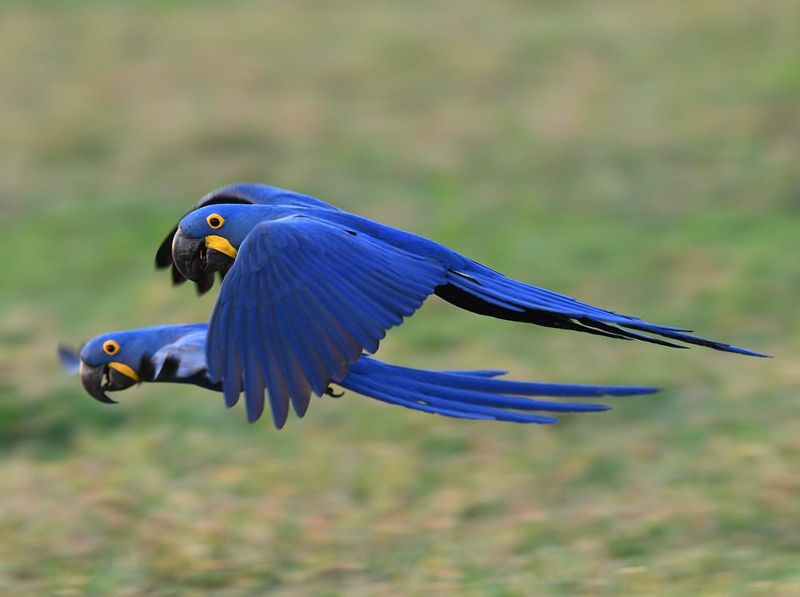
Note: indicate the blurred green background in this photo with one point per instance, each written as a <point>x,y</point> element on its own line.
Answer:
<point>642,156</point>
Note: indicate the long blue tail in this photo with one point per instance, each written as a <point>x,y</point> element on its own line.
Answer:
<point>473,394</point>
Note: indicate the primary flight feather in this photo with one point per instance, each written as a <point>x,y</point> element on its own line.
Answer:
<point>307,287</point>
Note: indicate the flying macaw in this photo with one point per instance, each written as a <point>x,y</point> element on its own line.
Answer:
<point>308,287</point>
<point>177,354</point>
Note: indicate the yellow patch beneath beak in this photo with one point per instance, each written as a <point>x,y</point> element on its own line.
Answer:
<point>125,370</point>
<point>220,244</point>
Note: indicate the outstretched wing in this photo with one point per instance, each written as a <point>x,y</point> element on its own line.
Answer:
<point>481,290</point>
<point>302,300</point>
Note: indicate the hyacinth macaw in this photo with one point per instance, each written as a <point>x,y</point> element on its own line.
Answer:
<point>177,354</point>
<point>307,287</point>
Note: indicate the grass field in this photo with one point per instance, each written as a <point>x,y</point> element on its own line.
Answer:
<point>642,156</point>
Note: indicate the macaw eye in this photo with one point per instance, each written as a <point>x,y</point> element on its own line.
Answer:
<point>215,221</point>
<point>110,347</point>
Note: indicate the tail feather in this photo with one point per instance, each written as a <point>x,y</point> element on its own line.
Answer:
<point>480,372</point>
<point>473,394</point>
<point>430,403</point>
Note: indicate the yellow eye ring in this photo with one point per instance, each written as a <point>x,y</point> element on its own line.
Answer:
<point>110,347</point>
<point>215,221</point>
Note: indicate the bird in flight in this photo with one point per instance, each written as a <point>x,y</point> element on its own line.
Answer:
<point>177,354</point>
<point>308,288</point>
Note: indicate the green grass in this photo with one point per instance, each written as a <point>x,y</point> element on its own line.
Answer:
<point>642,156</point>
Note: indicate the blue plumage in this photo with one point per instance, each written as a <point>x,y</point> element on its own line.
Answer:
<point>308,286</point>
<point>176,354</point>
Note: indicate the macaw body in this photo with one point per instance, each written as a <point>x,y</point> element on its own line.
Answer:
<point>308,288</point>
<point>177,354</point>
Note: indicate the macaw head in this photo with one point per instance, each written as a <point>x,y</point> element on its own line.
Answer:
<point>112,362</point>
<point>208,238</point>
<point>118,360</point>
<point>241,193</point>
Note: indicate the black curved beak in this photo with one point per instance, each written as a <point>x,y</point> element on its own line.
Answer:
<point>189,256</point>
<point>197,262</point>
<point>94,380</point>
<point>218,262</point>
<point>98,380</point>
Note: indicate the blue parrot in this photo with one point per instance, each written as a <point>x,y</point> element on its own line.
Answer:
<point>308,287</point>
<point>177,354</point>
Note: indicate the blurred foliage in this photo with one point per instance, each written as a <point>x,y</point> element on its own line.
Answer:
<point>640,155</point>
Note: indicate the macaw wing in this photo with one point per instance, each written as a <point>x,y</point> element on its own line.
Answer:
<point>482,290</point>
<point>183,358</point>
<point>302,300</point>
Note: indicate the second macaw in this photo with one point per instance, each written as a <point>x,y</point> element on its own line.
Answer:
<point>176,354</point>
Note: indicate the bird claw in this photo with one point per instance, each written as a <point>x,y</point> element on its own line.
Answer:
<point>329,391</point>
